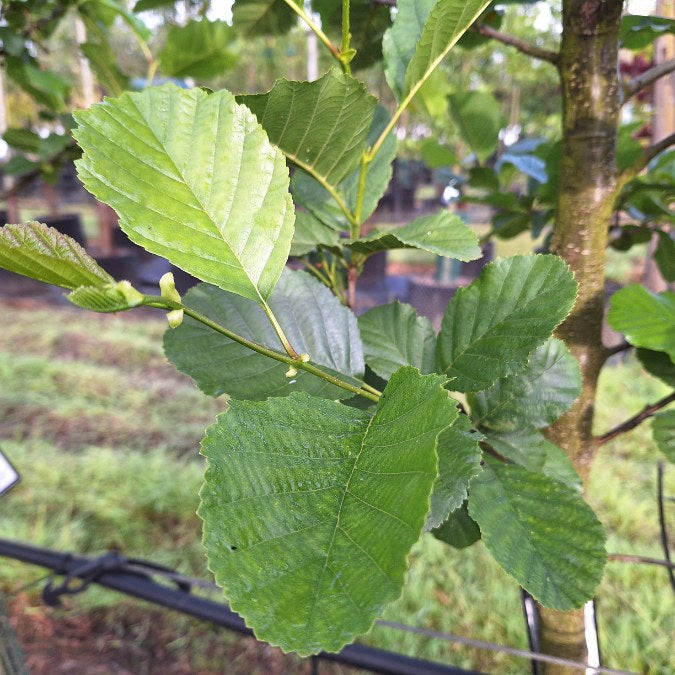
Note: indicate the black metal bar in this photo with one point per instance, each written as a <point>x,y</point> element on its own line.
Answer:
<point>357,656</point>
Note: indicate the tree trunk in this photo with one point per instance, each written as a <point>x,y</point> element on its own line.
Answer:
<point>590,99</point>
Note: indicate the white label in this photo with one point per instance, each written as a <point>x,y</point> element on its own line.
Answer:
<point>8,475</point>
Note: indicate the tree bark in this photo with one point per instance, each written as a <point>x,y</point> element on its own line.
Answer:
<point>587,187</point>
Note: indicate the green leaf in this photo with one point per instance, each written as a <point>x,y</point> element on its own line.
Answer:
<point>320,126</point>
<point>400,41</point>
<point>557,465</point>
<point>194,179</point>
<point>263,17</point>
<point>43,253</point>
<point>536,396</point>
<point>665,256</point>
<point>199,49</point>
<point>490,327</point>
<point>526,446</point>
<point>104,64</point>
<point>22,139</point>
<point>663,429</point>
<point>659,364</point>
<point>394,336</point>
<point>442,233</point>
<point>313,319</point>
<point>310,507</point>
<point>459,457</point>
<point>459,530</point>
<point>44,86</point>
<point>310,232</point>
<point>541,532</point>
<point>638,32</point>
<point>447,22</point>
<point>314,197</point>
<point>646,319</point>
<point>437,156</point>
<point>479,119</point>
<point>112,298</point>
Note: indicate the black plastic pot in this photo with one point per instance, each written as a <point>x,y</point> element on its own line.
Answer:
<point>68,224</point>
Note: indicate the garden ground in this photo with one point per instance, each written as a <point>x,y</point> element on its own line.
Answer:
<point>105,434</point>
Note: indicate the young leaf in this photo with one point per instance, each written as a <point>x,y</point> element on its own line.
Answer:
<point>263,17</point>
<point>321,126</point>
<point>659,364</point>
<point>663,430</point>
<point>646,319</point>
<point>447,22</point>
<point>315,198</point>
<point>541,532</point>
<point>201,49</point>
<point>313,319</point>
<point>43,253</point>
<point>459,530</point>
<point>536,396</point>
<point>400,41</point>
<point>491,326</point>
<point>479,120</point>
<point>113,298</point>
<point>459,457</point>
<point>394,336</point>
<point>309,233</point>
<point>194,179</point>
<point>310,507</point>
<point>442,233</point>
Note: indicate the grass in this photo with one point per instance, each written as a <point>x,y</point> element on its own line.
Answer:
<point>105,434</point>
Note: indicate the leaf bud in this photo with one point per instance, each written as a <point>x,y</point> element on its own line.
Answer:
<point>175,318</point>
<point>167,286</point>
<point>131,295</point>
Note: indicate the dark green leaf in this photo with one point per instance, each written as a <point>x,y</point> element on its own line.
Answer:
<point>310,232</point>
<point>163,158</point>
<point>103,62</point>
<point>665,256</point>
<point>490,327</point>
<point>646,319</point>
<point>43,253</point>
<point>263,17</point>
<point>658,364</point>
<point>459,530</point>
<point>394,336</point>
<point>479,119</point>
<point>314,320</point>
<point>310,507</point>
<point>663,429</point>
<point>541,532</point>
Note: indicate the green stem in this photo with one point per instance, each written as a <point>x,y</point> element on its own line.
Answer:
<point>360,196</point>
<point>279,331</point>
<point>319,33</point>
<point>345,51</point>
<point>161,303</point>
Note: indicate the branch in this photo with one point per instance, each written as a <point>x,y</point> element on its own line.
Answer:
<point>647,412</point>
<point>520,45</point>
<point>650,76</point>
<point>639,560</point>
<point>617,349</point>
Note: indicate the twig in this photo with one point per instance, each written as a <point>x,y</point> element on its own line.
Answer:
<point>521,45</point>
<point>650,76</point>
<point>647,412</point>
<point>617,349</point>
<point>639,560</point>
<point>662,522</point>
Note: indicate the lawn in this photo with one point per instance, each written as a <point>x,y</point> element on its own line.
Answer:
<point>105,434</point>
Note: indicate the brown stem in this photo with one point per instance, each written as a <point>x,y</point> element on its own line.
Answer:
<point>650,76</point>
<point>639,560</point>
<point>647,412</point>
<point>352,275</point>
<point>521,45</point>
<point>617,349</point>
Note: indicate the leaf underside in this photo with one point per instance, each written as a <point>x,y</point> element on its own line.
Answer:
<point>311,507</point>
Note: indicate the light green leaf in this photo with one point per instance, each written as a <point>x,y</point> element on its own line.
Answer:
<point>541,532</point>
<point>310,507</point>
<point>442,233</point>
<point>447,22</point>
<point>43,253</point>
<point>194,179</point>
<point>313,319</point>
<point>665,256</point>
<point>659,364</point>
<point>459,457</point>
<point>490,327</point>
<point>663,430</point>
<point>536,396</point>
<point>113,298</point>
<point>200,49</point>
<point>400,41</point>
<point>314,197</point>
<point>479,119</point>
<point>263,17</point>
<point>646,319</point>
<point>310,232</point>
<point>459,530</point>
<point>103,62</point>
<point>394,336</point>
<point>320,126</point>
